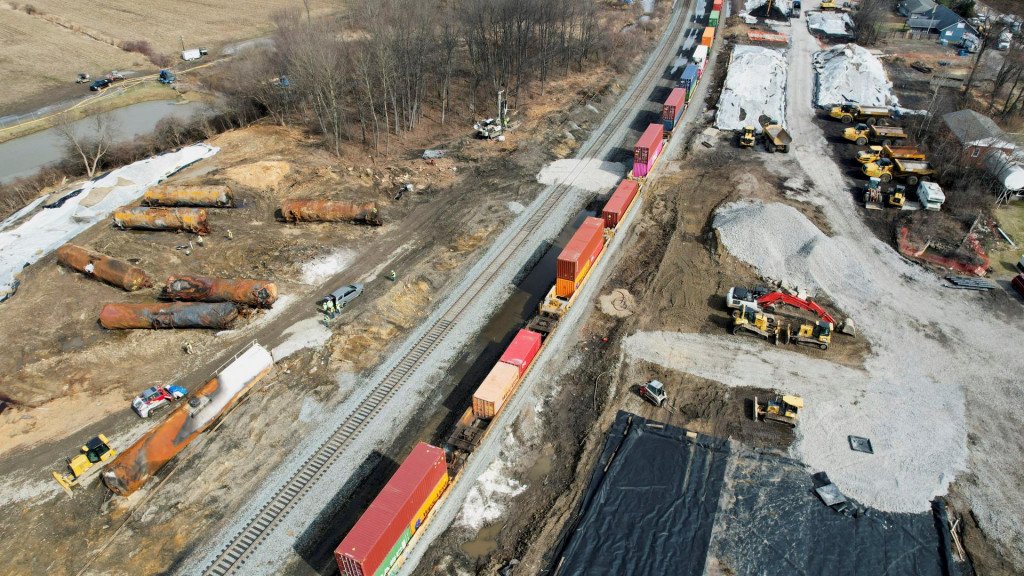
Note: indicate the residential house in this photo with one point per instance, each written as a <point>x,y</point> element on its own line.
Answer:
<point>977,135</point>
<point>940,20</point>
<point>915,8</point>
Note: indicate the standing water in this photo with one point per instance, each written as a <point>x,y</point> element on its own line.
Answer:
<point>24,156</point>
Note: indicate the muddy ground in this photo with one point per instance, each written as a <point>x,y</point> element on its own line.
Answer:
<point>672,276</point>
<point>69,378</point>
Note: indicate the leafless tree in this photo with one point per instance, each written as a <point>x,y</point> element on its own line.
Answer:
<point>867,18</point>
<point>89,139</point>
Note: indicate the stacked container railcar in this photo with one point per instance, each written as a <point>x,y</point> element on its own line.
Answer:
<point>579,254</point>
<point>672,109</point>
<point>648,149</point>
<point>688,81</point>
<point>617,206</point>
<point>374,545</point>
<point>717,6</point>
<point>713,19</point>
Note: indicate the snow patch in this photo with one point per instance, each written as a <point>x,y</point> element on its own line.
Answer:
<point>849,73</point>
<point>516,207</point>
<point>591,174</point>
<point>756,85</point>
<point>49,228</point>
<point>486,500</point>
<point>323,267</point>
<point>303,334</point>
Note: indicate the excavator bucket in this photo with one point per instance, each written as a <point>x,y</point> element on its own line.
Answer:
<point>848,327</point>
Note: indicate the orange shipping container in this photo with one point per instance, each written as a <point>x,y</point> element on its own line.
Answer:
<point>495,390</point>
<point>578,256</point>
<point>708,37</point>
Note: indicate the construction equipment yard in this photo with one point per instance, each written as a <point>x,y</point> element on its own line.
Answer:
<point>892,438</point>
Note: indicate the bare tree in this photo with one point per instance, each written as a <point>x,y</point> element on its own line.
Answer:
<point>867,20</point>
<point>88,139</point>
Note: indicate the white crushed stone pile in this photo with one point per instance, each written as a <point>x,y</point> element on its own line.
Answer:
<point>489,496</point>
<point>592,175</point>
<point>755,85</point>
<point>796,252</point>
<point>831,23</point>
<point>849,73</point>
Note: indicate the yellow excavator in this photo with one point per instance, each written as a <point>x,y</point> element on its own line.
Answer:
<point>784,410</point>
<point>95,451</point>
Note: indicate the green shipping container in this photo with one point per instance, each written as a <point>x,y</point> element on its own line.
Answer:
<point>713,21</point>
<point>396,550</point>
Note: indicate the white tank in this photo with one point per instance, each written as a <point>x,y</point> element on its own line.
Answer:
<point>1003,169</point>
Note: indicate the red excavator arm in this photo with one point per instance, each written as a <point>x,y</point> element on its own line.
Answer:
<point>774,297</point>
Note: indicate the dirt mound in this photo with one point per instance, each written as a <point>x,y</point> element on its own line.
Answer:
<point>260,175</point>
<point>619,303</point>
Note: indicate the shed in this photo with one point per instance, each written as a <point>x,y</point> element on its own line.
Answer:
<point>977,135</point>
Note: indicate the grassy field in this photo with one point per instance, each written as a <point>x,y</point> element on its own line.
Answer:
<point>1011,220</point>
<point>43,52</point>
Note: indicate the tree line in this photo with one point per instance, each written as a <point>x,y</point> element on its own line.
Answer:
<point>370,74</point>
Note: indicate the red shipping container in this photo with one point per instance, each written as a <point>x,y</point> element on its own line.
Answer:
<point>578,256</point>
<point>673,108</point>
<point>620,200</point>
<point>717,6</point>
<point>375,534</point>
<point>648,147</point>
<point>522,350</point>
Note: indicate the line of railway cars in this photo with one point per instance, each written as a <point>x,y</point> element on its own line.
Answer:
<point>375,545</point>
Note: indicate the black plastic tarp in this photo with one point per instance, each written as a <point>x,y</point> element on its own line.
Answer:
<point>650,506</point>
<point>772,523</point>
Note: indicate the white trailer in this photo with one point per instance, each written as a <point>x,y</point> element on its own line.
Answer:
<point>931,196</point>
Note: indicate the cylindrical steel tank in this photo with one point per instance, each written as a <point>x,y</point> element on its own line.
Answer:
<point>330,211</point>
<point>190,219</point>
<point>168,315</point>
<point>132,467</point>
<point>255,293</point>
<point>209,196</point>
<point>115,272</point>
<point>1009,174</point>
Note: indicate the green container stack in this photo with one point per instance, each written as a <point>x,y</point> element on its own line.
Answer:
<point>713,21</point>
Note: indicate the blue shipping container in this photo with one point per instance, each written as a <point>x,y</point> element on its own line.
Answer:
<point>688,80</point>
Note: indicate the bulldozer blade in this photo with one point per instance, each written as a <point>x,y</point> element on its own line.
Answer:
<point>873,206</point>
<point>848,327</point>
<point>63,482</point>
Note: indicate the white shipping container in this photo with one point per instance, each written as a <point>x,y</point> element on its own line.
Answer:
<point>700,55</point>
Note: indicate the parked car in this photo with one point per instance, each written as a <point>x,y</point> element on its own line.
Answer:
<point>101,84</point>
<point>343,295</point>
<point>1018,284</point>
<point>155,398</point>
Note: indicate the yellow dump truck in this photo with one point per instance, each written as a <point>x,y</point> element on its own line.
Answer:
<point>775,136</point>
<point>847,113</point>
<point>902,152</point>
<point>885,170</point>
<point>861,134</point>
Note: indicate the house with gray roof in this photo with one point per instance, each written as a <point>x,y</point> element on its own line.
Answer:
<point>977,135</point>
<point>940,20</point>
<point>915,8</point>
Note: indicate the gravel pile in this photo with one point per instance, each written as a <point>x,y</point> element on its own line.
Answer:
<point>589,174</point>
<point>755,85</point>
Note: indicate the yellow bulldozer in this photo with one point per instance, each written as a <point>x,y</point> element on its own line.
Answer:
<point>818,334</point>
<point>763,325</point>
<point>784,410</point>
<point>95,451</point>
<point>748,137</point>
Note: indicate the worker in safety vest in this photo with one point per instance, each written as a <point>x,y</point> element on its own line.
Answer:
<point>392,276</point>
<point>199,240</point>
<point>230,235</point>
<point>188,347</point>
<point>330,308</point>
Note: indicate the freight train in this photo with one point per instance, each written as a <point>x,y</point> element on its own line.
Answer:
<point>391,524</point>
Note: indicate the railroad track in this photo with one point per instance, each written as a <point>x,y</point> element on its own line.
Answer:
<point>244,543</point>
